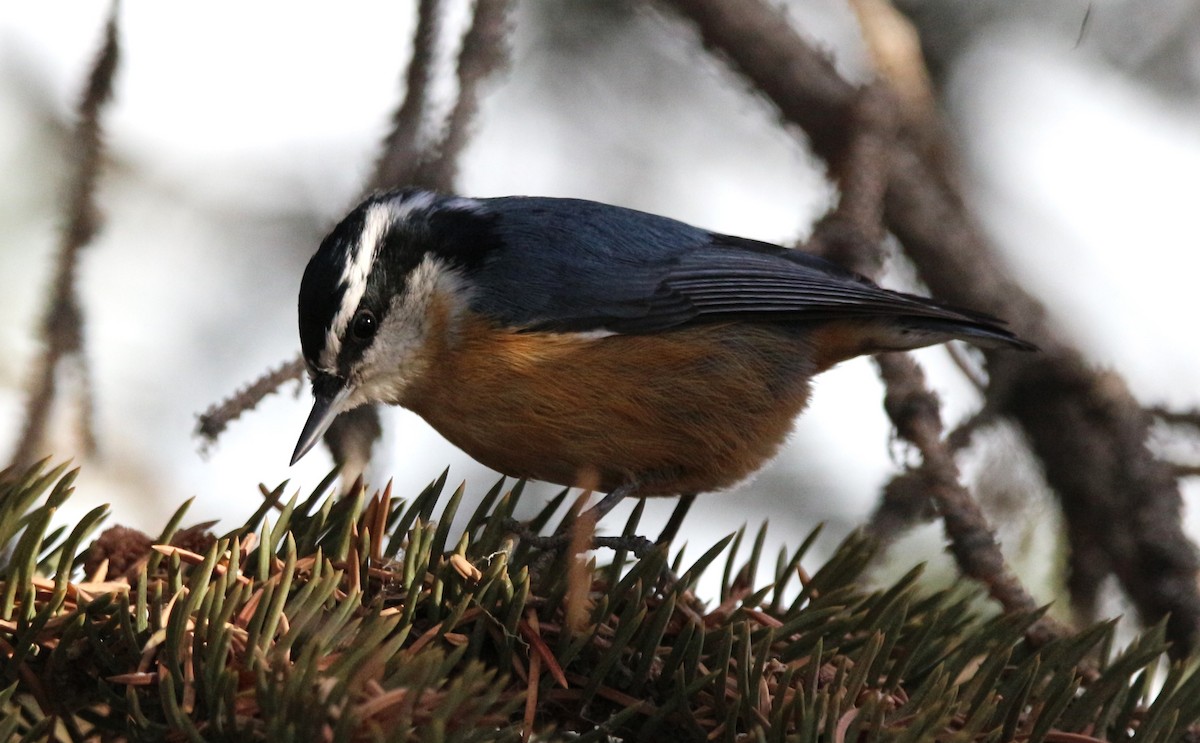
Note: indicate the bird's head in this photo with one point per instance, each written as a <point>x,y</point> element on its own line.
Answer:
<point>382,285</point>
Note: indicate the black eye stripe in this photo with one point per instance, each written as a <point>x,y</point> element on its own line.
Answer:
<point>420,224</point>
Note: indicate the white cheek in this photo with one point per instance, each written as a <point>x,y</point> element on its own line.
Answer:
<point>390,364</point>
<point>398,356</point>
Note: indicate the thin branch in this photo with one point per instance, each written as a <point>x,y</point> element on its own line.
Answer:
<point>1119,501</point>
<point>398,163</point>
<point>62,323</point>
<point>960,437</point>
<point>907,500</point>
<point>1176,417</point>
<point>853,234</point>
<point>212,422</point>
<point>484,53</point>
<point>404,160</point>
<point>914,411</point>
<point>395,166</point>
<point>976,376</point>
<point>1185,470</point>
<point>1122,504</point>
<point>403,149</point>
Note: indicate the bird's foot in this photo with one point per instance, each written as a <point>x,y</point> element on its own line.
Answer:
<point>635,544</point>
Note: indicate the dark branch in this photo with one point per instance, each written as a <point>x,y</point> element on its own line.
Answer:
<point>404,160</point>
<point>1089,432</point>
<point>1185,470</point>
<point>212,422</point>
<point>1189,418</point>
<point>403,149</point>
<point>914,411</point>
<point>853,234</point>
<point>757,40</point>
<point>484,54</point>
<point>62,323</point>
<point>484,51</point>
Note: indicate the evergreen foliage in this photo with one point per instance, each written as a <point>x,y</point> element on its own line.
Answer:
<point>365,618</point>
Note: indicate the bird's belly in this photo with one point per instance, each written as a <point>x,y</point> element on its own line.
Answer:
<point>685,411</point>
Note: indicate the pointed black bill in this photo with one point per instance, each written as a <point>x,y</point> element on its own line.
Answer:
<point>326,407</point>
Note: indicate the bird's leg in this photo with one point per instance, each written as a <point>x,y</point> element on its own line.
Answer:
<point>670,531</point>
<point>608,502</point>
<point>639,546</point>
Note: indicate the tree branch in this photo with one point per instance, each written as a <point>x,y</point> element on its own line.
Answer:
<point>852,234</point>
<point>62,323</point>
<point>403,149</point>
<point>484,54</point>
<point>404,161</point>
<point>1086,428</point>
<point>212,422</point>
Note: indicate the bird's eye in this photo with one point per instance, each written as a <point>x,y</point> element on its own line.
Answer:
<point>364,325</point>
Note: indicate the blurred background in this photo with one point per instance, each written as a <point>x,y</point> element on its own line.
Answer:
<point>241,132</point>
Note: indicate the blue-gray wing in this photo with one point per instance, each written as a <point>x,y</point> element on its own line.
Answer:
<point>569,265</point>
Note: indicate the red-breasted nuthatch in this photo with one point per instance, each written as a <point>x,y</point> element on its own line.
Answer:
<point>586,344</point>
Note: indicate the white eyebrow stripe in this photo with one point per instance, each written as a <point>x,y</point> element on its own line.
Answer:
<point>354,278</point>
<point>378,218</point>
<point>464,204</point>
<point>413,202</point>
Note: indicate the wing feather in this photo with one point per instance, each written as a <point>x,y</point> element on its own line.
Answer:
<point>589,266</point>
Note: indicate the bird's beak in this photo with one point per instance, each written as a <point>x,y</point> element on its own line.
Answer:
<point>330,393</point>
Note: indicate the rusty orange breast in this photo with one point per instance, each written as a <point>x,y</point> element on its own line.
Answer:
<point>683,411</point>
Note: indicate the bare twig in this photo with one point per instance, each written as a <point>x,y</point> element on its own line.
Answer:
<point>1176,417</point>
<point>1122,504</point>
<point>351,438</point>
<point>1185,470</point>
<point>353,433</point>
<point>914,411</point>
<point>853,234</point>
<point>397,162</point>
<point>484,54</point>
<point>403,161</point>
<point>976,376</point>
<point>907,499</point>
<point>62,323</point>
<point>404,147</point>
<point>212,422</point>
<point>895,50</point>
<point>960,437</point>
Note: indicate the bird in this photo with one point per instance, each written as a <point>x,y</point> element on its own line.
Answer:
<point>587,344</point>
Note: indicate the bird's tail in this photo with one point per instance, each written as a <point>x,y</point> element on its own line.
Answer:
<point>916,332</point>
